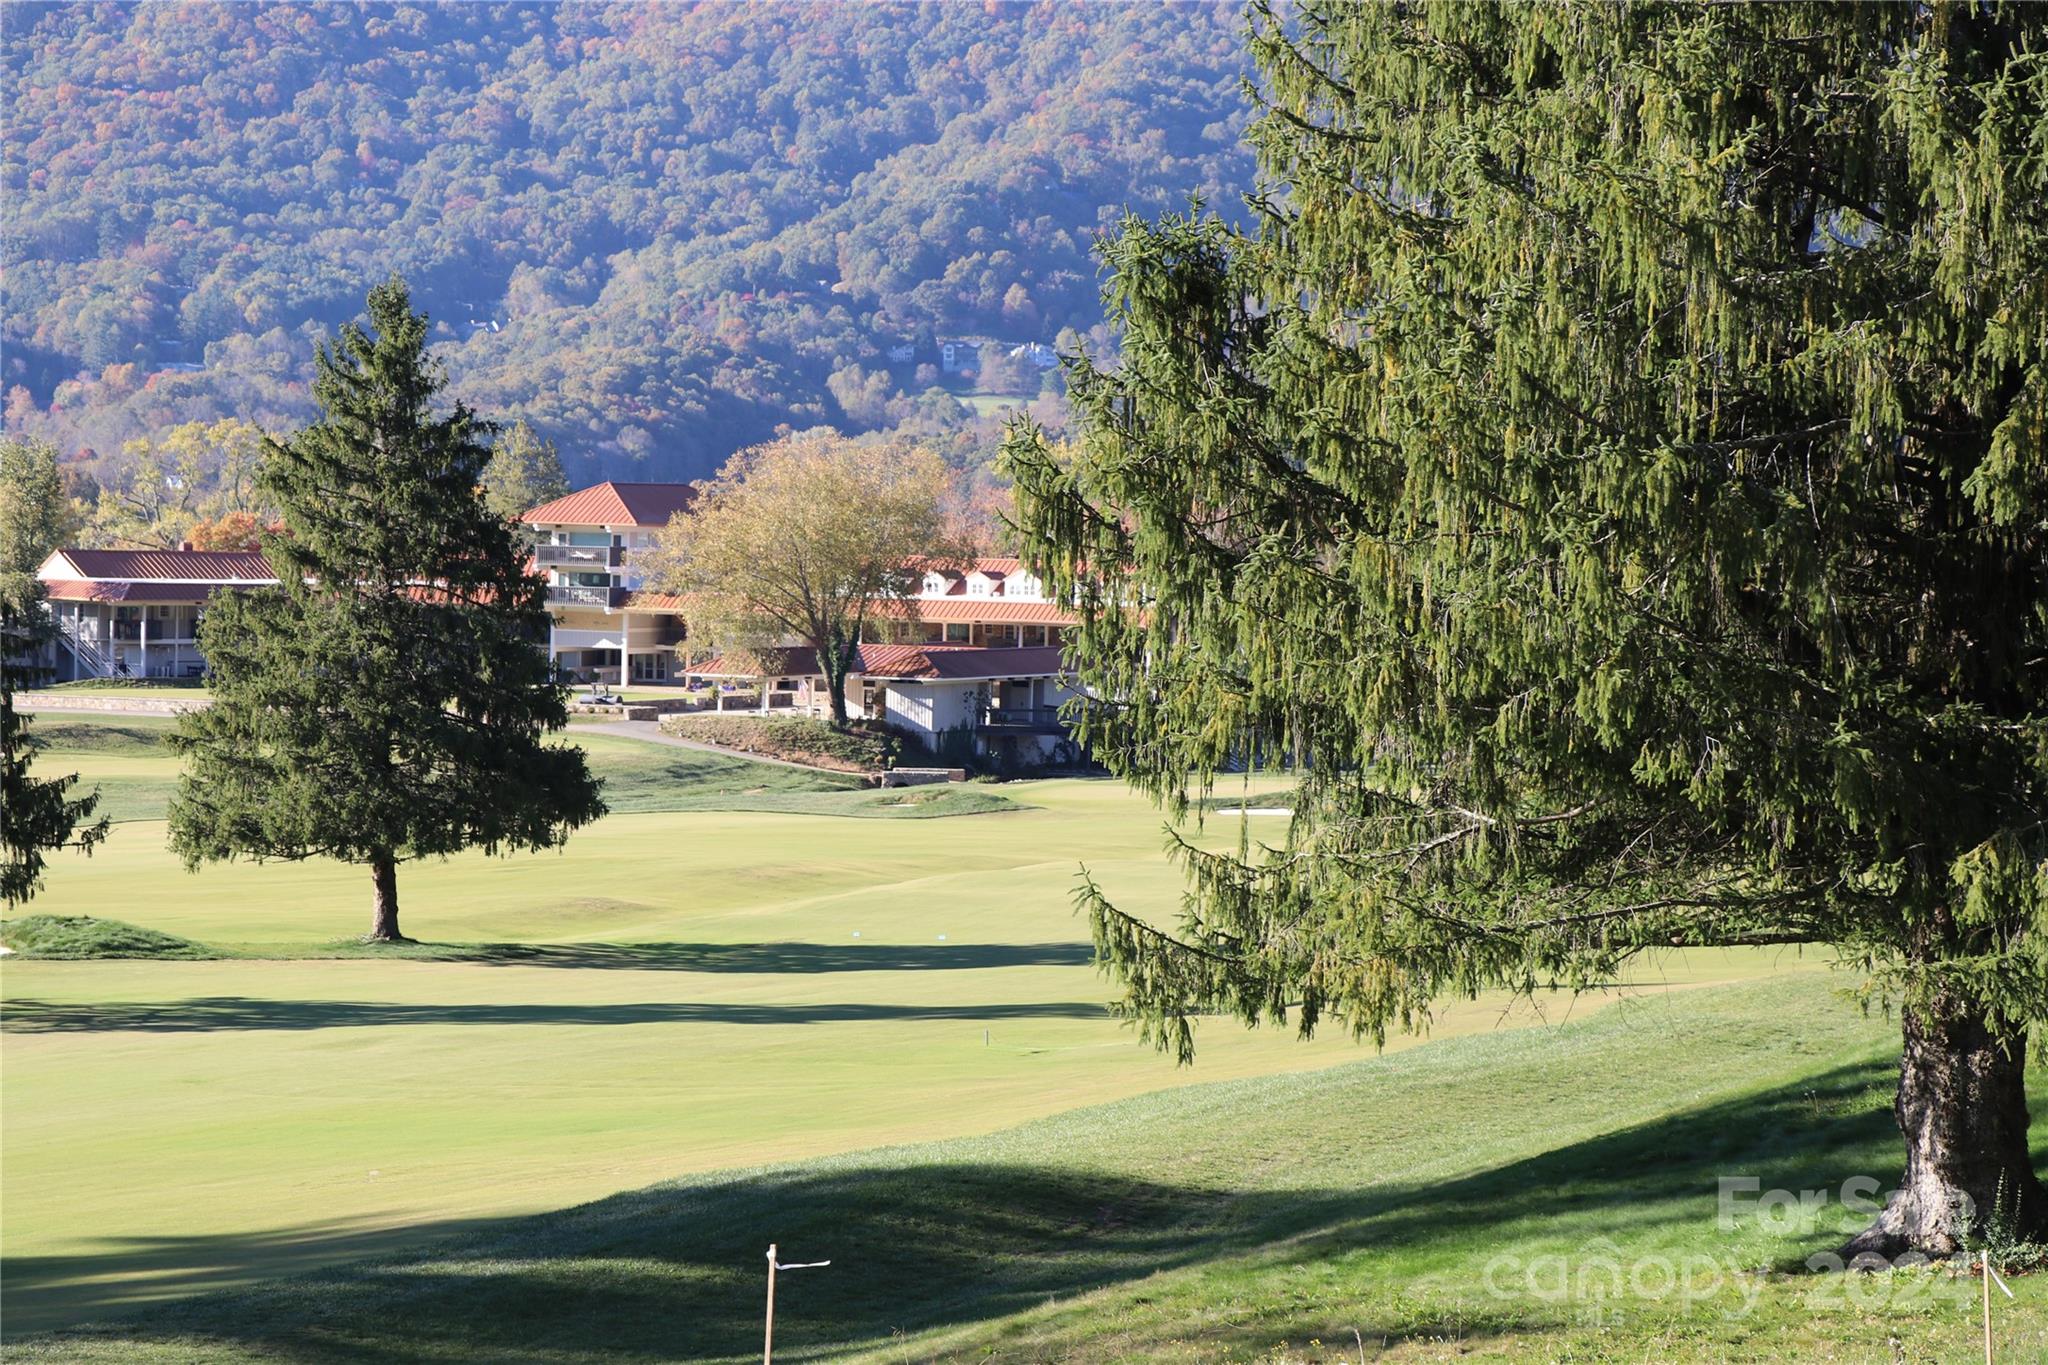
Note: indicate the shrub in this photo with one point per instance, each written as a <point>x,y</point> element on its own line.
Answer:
<point>862,747</point>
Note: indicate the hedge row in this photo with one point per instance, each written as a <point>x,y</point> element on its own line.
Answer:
<point>795,738</point>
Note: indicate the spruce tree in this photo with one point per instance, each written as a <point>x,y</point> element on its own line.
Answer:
<point>1611,471</point>
<point>390,700</point>
<point>37,814</point>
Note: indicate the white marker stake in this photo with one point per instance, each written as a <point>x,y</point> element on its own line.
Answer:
<point>2004,1288</point>
<point>768,1330</point>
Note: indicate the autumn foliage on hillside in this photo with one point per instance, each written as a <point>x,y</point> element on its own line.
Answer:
<point>656,232</point>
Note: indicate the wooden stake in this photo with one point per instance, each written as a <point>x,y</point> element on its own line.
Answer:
<point>768,1332</point>
<point>1987,1308</point>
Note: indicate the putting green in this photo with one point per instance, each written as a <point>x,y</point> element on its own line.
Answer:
<point>730,988</point>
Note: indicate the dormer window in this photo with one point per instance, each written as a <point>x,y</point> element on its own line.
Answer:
<point>935,585</point>
<point>1023,585</point>
<point>980,585</point>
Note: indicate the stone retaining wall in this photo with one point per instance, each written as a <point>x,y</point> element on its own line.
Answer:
<point>920,777</point>
<point>141,705</point>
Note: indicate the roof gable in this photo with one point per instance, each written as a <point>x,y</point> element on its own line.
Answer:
<point>162,566</point>
<point>611,503</point>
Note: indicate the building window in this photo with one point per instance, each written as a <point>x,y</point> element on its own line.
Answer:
<point>956,632</point>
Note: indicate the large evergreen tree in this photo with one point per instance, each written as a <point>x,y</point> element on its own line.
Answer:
<point>390,700</point>
<point>1613,474</point>
<point>37,814</point>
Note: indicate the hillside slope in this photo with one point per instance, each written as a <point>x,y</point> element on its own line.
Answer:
<point>1422,1199</point>
<point>657,231</point>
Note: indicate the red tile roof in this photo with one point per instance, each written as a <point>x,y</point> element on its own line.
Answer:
<point>974,662</point>
<point>923,663</point>
<point>610,503</point>
<point>75,590</point>
<point>657,601</point>
<point>996,611</point>
<point>175,566</point>
<point>991,566</point>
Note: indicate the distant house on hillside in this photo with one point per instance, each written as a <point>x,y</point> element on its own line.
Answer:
<point>956,356</point>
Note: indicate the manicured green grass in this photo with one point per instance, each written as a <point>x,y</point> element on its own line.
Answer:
<point>126,760</point>
<point>76,937</point>
<point>123,757</point>
<point>640,776</point>
<point>62,734</point>
<point>1541,1194</point>
<point>653,1000</point>
<point>644,1002</point>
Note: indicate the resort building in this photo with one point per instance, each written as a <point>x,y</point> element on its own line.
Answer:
<point>606,628</point>
<point>135,613</point>
<point>970,665</point>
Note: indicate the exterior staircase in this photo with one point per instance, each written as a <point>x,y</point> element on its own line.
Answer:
<point>92,660</point>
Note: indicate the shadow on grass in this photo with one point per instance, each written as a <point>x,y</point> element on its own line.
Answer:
<point>932,1238</point>
<point>783,958</point>
<point>234,1012</point>
<point>120,940</point>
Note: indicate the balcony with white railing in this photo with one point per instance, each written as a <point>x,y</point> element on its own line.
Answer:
<point>577,595</point>
<point>585,639</point>
<point>583,557</point>
<point>1035,720</point>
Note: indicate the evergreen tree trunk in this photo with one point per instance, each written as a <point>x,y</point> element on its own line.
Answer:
<point>1962,1106</point>
<point>384,878</point>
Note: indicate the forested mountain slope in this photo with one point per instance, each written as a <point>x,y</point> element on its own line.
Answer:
<point>655,231</point>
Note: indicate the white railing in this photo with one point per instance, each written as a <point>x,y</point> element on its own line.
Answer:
<point>575,595</point>
<point>586,639</point>
<point>85,649</point>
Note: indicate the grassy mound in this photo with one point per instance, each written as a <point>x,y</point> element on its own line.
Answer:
<point>791,738</point>
<point>1525,1195</point>
<point>127,762</point>
<point>895,803</point>
<point>643,777</point>
<point>84,936</point>
<point>127,735</point>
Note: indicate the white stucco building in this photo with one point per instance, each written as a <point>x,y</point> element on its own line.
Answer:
<point>605,627</point>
